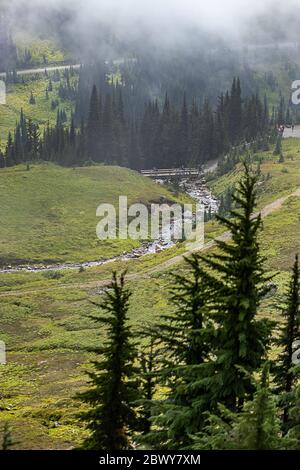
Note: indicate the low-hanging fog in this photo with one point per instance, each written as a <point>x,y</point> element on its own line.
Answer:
<point>165,22</point>
<point>194,45</point>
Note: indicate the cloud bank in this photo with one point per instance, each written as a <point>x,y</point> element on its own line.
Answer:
<point>170,21</point>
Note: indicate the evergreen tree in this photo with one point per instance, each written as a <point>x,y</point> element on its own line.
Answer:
<point>256,427</point>
<point>149,136</point>
<point>183,146</point>
<point>166,135</point>
<point>259,427</point>
<point>72,133</point>
<point>7,440</point>
<point>221,135</point>
<point>266,115</point>
<point>119,142</point>
<point>93,127</point>
<point>32,99</point>
<point>194,132</point>
<point>133,149</point>
<point>284,376</point>
<point>81,148</point>
<point>32,141</point>
<point>147,361</point>
<point>281,111</point>
<point>207,149</point>
<point>108,123</point>
<point>294,420</point>
<point>278,147</point>
<point>9,151</point>
<point>235,111</point>
<point>184,344</point>
<point>239,282</point>
<point>111,417</point>
<point>158,138</point>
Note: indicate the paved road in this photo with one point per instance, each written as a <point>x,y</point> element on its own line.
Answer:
<point>288,132</point>
<point>52,68</point>
<point>42,70</point>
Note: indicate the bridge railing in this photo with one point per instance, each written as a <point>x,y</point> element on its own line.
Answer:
<point>168,172</point>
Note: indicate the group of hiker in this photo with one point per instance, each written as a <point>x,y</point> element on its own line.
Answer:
<point>281,128</point>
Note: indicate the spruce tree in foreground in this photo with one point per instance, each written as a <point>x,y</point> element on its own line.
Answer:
<point>7,440</point>
<point>240,284</point>
<point>294,419</point>
<point>285,378</point>
<point>147,362</point>
<point>111,417</point>
<point>259,426</point>
<point>256,427</point>
<point>184,344</point>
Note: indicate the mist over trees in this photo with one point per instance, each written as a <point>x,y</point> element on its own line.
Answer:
<point>8,49</point>
<point>161,84</point>
<point>115,126</point>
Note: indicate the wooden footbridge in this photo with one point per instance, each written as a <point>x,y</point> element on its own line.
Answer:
<point>172,173</point>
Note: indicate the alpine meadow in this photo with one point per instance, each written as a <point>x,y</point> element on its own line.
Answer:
<point>149,236</point>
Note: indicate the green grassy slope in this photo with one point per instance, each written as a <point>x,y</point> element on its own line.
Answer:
<point>45,322</point>
<point>49,333</point>
<point>48,214</point>
<point>283,178</point>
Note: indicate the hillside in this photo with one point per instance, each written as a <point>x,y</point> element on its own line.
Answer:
<point>277,180</point>
<point>45,319</point>
<point>48,213</point>
<point>186,342</point>
<point>42,112</point>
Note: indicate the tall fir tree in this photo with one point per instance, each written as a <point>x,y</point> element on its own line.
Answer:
<point>235,111</point>
<point>255,427</point>
<point>183,341</point>
<point>7,440</point>
<point>114,388</point>
<point>281,111</point>
<point>236,271</point>
<point>108,129</point>
<point>293,434</point>
<point>93,128</point>
<point>284,376</point>
<point>183,136</point>
<point>148,380</point>
<point>166,135</point>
